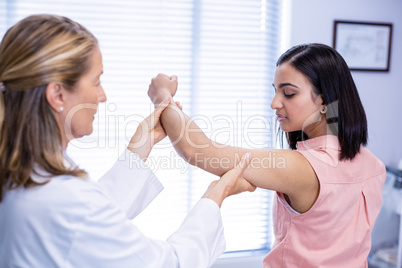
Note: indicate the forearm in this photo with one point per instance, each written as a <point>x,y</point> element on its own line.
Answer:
<point>143,150</point>
<point>193,145</point>
<point>216,193</point>
<point>149,132</point>
<point>184,134</point>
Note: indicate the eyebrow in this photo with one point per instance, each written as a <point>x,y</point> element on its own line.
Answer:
<point>286,84</point>
<point>98,75</point>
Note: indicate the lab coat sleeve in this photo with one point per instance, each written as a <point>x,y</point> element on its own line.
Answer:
<point>131,184</point>
<point>201,232</point>
<point>106,238</point>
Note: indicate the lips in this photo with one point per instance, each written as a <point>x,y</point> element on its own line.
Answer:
<point>280,117</point>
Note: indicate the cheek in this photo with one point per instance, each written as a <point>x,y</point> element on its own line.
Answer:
<point>89,94</point>
<point>305,105</point>
<point>311,118</point>
<point>295,110</point>
<point>303,113</point>
<point>81,123</point>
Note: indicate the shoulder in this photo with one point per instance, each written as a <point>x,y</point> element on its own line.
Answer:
<point>365,155</point>
<point>65,203</point>
<point>320,151</point>
<point>61,196</point>
<point>323,155</point>
<point>366,165</point>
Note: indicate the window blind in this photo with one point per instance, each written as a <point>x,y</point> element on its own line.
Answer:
<point>224,54</point>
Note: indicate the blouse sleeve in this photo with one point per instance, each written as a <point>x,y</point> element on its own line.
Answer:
<point>131,184</point>
<point>106,238</point>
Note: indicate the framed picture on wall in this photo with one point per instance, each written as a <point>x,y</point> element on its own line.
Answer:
<point>365,46</point>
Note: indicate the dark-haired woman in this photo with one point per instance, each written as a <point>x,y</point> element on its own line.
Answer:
<point>328,186</point>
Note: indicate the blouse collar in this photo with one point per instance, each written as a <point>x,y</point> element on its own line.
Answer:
<point>326,141</point>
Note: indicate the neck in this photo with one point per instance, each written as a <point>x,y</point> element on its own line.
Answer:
<point>64,144</point>
<point>318,129</point>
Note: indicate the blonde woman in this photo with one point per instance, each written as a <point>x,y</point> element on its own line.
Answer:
<point>51,214</point>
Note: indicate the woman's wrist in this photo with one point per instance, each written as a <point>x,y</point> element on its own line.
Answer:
<point>156,100</point>
<point>140,145</point>
<point>216,192</point>
<point>142,151</point>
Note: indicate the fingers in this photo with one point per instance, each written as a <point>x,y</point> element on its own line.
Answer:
<point>251,188</point>
<point>165,103</point>
<point>162,106</point>
<point>241,166</point>
<point>165,76</point>
<point>173,77</point>
<point>162,75</point>
<point>244,162</point>
<point>179,105</point>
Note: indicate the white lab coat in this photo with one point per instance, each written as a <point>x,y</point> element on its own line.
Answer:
<point>73,222</point>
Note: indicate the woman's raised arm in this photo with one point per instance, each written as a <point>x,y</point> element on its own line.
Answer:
<point>285,171</point>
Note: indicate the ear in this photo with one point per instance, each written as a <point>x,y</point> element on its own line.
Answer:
<point>320,99</point>
<point>55,96</point>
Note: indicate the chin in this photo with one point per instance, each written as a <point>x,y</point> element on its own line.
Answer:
<point>288,129</point>
<point>83,134</point>
<point>87,133</point>
<point>284,128</point>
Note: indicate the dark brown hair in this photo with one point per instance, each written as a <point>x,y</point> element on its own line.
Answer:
<point>331,78</point>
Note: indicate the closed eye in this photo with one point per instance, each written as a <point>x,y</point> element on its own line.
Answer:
<point>288,96</point>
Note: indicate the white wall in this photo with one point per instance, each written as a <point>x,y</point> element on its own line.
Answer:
<point>381,92</point>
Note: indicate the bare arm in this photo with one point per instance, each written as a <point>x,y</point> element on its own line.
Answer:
<point>230,183</point>
<point>150,132</point>
<point>285,171</point>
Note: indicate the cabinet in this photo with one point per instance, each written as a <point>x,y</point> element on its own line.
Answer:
<point>387,234</point>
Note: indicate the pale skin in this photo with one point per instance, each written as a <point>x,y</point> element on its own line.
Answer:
<point>74,112</point>
<point>297,107</point>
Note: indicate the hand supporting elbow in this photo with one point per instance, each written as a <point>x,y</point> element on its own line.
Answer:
<point>231,183</point>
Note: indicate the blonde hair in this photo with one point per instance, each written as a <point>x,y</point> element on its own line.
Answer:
<point>34,52</point>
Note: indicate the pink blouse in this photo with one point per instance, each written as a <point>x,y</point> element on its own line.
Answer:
<point>336,231</point>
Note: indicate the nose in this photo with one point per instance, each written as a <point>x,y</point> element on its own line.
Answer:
<point>276,102</point>
<point>101,95</point>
